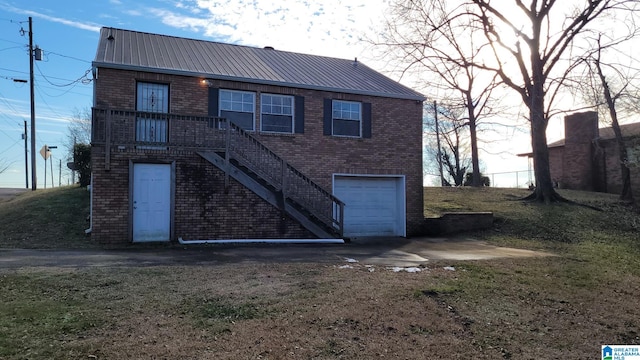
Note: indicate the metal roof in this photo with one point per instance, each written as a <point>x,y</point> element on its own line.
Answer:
<point>132,50</point>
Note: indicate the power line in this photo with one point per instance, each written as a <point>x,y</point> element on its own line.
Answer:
<point>11,146</point>
<point>15,71</point>
<point>7,135</point>
<point>47,104</point>
<point>84,76</point>
<point>67,91</point>
<point>69,57</point>
<point>83,79</point>
<point>13,42</point>
<point>9,105</point>
<point>9,48</point>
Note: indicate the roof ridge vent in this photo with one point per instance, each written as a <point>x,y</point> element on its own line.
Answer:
<point>269,48</point>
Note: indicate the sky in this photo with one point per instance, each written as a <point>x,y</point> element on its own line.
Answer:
<point>67,32</point>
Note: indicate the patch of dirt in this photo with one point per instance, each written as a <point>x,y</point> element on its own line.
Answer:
<point>503,309</point>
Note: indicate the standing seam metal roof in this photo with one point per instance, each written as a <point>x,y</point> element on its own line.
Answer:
<point>132,50</point>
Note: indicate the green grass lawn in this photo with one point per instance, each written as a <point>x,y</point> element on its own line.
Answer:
<point>46,219</point>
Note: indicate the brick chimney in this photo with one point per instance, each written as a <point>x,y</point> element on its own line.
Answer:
<point>579,170</point>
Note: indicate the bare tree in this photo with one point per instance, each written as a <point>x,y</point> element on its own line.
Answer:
<point>453,154</point>
<point>626,193</point>
<point>545,33</point>
<point>79,128</point>
<point>78,132</point>
<point>529,46</point>
<point>599,90</point>
<point>429,40</point>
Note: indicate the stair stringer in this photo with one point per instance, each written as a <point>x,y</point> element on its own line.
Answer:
<point>272,197</point>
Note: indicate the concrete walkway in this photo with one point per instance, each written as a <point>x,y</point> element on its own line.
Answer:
<point>381,252</point>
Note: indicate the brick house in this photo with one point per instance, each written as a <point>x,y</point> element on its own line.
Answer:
<point>587,158</point>
<point>200,140</point>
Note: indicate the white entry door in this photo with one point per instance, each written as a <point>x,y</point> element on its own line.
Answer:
<point>374,205</point>
<point>151,202</point>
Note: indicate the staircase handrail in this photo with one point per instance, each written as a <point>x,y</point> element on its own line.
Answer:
<point>294,185</point>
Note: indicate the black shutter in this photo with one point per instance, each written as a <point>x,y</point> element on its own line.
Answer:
<point>366,120</point>
<point>327,116</point>
<point>299,115</point>
<point>213,101</point>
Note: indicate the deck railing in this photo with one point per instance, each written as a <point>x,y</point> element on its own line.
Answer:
<point>169,131</point>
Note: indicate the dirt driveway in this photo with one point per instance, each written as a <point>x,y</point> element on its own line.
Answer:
<point>387,252</point>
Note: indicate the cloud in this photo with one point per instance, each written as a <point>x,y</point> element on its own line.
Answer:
<point>133,12</point>
<point>76,24</point>
<point>308,26</point>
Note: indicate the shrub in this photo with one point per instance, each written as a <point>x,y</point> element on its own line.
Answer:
<point>484,180</point>
<point>82,162</point>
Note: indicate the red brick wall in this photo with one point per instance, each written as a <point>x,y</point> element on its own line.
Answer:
<point>556,160</point>
<point>612,169</point>
<point>203,209</point>
<point>584,164</point>
<point>394,148</point>
<point>633,151</point>
<point>578,171</point>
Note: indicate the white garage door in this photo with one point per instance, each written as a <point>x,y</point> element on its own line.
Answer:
<point>374,206</point>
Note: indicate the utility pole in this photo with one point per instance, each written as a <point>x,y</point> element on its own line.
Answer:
<point>47,155</point>
<point>33,110</point>
<point>435,114</point>
<point>46,151</point>
<point>51,163</point>
<point>26,157</point>
<point>60,174</point>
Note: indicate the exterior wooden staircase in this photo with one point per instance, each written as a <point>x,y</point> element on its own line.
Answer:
<point>268,175</point>
<point>236,152</point>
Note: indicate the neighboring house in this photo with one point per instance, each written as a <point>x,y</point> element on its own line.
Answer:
<point>201,140</point>
<point>588,158</point>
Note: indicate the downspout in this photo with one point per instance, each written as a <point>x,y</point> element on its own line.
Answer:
<point>261,241</point>
<point>88,231</point>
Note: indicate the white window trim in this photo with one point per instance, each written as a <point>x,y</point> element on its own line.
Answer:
<point>253,112</point>
<point>293,114</point>
<point>359,121</point>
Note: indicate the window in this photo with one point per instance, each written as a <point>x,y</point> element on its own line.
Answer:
<point>152,99</point>
<point>239,107</point>
<point>346,118</point>
<point>276,113</point>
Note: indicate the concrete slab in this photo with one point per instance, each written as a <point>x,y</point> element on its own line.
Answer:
<point>393,252</point>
